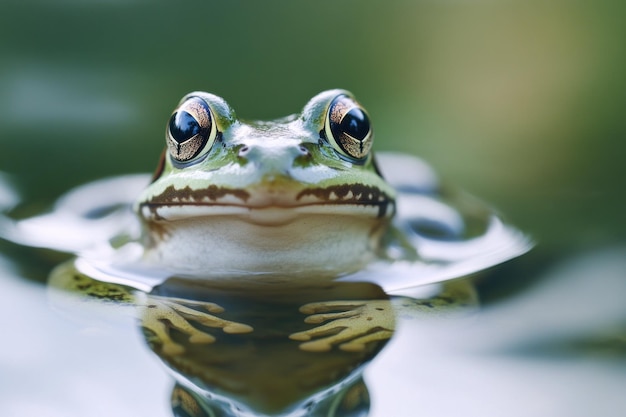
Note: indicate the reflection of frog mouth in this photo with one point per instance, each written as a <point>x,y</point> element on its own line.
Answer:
<point>268,205</point>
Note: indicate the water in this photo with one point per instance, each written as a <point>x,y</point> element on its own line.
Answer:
<point>285,343</point>
<point>247,346</point>
<point>521,103</point>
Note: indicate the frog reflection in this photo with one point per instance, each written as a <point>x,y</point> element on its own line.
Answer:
<point>258,368</point>
<point>236,352</point>
<point>266,371</point>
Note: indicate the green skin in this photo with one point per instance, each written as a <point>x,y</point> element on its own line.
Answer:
<point>288,184</point>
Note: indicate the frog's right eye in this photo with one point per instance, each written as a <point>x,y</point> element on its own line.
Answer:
<point>191,130</point>
<point>348,128</point>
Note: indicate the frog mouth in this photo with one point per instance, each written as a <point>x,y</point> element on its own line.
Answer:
<point>354,199</point>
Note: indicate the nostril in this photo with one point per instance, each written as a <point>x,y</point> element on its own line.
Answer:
<point>303,150</point>
<point>244,150</point>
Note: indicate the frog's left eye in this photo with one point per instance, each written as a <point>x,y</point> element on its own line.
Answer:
<point>191,130</point>
<point>348,128</point>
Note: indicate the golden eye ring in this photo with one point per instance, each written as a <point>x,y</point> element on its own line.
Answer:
<point>191,130</point>
<point>348,128</point>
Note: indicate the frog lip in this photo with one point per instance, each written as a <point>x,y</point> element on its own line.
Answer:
<point>178,204</point>
<point>271,215</point>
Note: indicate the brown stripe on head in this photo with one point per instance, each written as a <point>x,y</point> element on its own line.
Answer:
<point>361,195</point>
<point>212,192</point>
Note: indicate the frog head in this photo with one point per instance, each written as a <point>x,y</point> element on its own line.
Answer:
<point>296,195</point>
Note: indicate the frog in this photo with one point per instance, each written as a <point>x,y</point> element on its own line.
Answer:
<point>299,204</point>
<point>299,199</point>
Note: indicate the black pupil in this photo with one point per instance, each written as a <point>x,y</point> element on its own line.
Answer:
<point>183,126</point>
<point>356,124</point>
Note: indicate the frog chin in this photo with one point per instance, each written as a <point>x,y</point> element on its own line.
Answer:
<point>316,240</point>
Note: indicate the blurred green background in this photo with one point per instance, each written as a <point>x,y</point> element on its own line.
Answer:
<point>519,102</point>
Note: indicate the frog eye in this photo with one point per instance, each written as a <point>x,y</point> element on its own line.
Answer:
<point>348,128</point>
<point>191,130</point>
